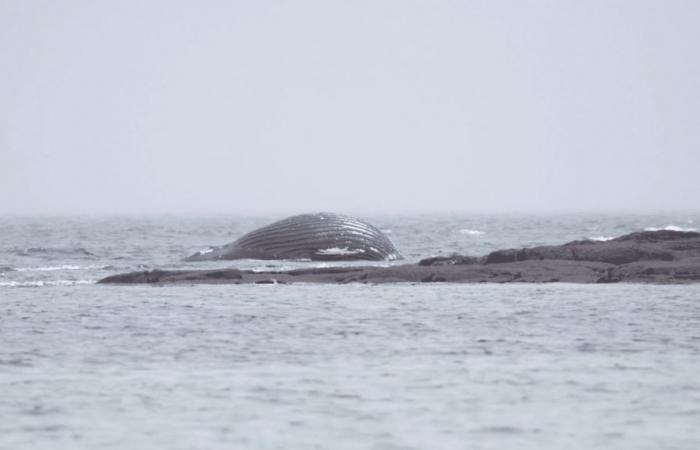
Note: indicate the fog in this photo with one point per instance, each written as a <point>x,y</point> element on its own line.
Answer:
<point>363,106</point>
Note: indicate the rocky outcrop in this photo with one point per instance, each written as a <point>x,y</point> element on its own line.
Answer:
<point>644,257</point>
<point>642,246</point>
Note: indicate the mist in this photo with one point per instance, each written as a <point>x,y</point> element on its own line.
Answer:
<point>392,106</point>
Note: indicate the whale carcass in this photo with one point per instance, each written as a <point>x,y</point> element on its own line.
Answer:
<point>318,237</point>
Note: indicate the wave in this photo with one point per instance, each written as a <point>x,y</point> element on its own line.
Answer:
<point>49,268</point>
<point>670,228</point>
<point>471,232</point>
<point>62,267</point>
<point>601,238</point>
<point>31,251</point>
<point>45,283</point>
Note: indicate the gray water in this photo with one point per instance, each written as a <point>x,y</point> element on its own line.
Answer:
<point>403,366</point>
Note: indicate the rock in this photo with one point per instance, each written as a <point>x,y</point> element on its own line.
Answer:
<point>173,276</point>
<point>645,257</point>
<point>449,260</point>
<point>614,252</point>
<point>658,236</point>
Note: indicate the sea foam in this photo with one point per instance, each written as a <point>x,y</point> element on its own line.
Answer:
<point>601,238</point>
<point>471,232</point>
<point>51,268</point>
<point>42,283</point>
<point>670,228</point>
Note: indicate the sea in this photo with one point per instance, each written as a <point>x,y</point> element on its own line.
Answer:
<point>359,366</point>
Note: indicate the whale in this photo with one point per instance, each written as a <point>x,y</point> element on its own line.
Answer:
<point>318,237</point>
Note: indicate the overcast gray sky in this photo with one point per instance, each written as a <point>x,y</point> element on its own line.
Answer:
<point>352,106</point>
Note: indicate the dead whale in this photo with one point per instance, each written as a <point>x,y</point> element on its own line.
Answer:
<point>318,237</point>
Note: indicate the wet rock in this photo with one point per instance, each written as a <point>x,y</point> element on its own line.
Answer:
<point>173,276</point>
<point>453,259</point>
<point>614,252</point>
<point>433,278</point>
<point>658,236</point>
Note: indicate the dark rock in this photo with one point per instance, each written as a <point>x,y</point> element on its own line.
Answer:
<point>506,256</point>
<point>658,236</point>
<point>227,274</point>
<point>322,270</point>
<point>614,252</point>
<point>453,259</point>
<point>165,276</point>
<point>432,278</point>
<point>609,277</point>
<point>147,276</point>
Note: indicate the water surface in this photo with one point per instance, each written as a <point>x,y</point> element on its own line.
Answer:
<point>401,366</point>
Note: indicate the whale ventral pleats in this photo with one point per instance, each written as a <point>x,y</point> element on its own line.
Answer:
<point>318,237</point>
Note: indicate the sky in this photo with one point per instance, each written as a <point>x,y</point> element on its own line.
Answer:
<point>376,106</point>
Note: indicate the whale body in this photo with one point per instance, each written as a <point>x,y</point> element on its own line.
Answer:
<point>318,237</point>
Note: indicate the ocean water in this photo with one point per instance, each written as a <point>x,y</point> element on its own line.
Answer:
<point>444,366</point>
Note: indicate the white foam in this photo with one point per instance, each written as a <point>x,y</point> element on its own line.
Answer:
<point>205,251</point>
<point>471,232</point>
<point>44,283</point>
<point>601,238</point>
<point>53,268</point>
<point>670,228</point>
<point>340,251</point>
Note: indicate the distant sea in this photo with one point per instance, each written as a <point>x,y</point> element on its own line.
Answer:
<point>438,366</point>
